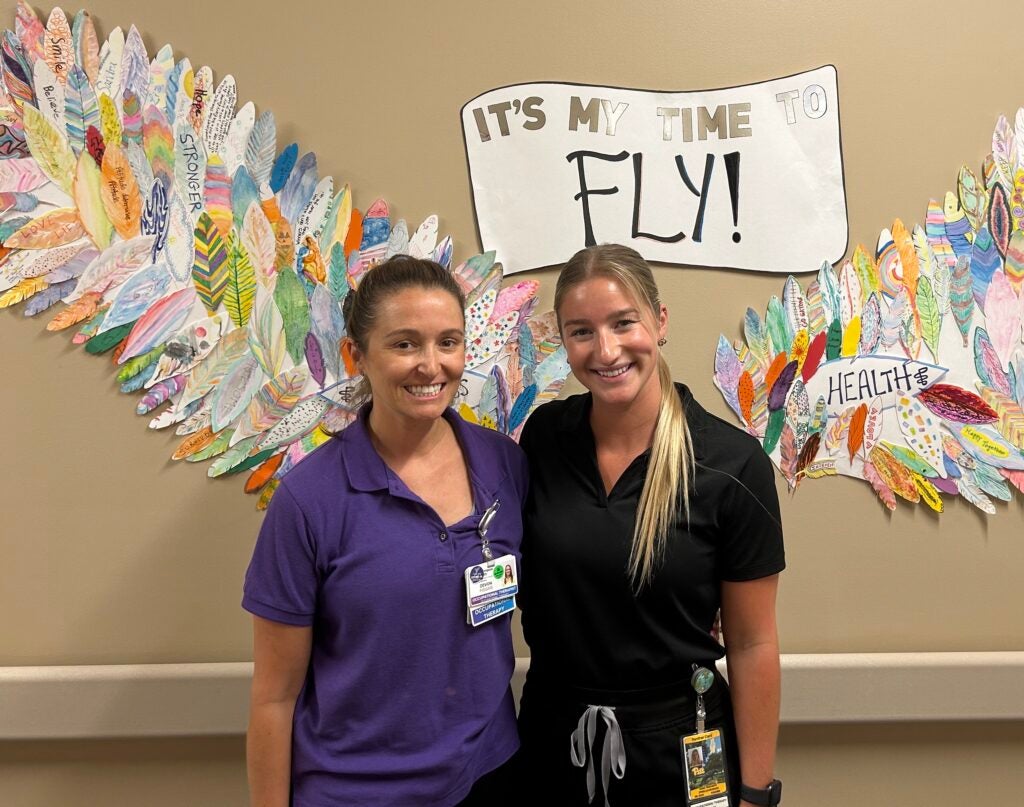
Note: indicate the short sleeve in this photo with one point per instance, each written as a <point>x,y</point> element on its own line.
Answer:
<point>281,582</point>
<point>752,524</point>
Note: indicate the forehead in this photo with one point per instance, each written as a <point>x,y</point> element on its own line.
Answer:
<point>418,308</point>
<point>595,298</point>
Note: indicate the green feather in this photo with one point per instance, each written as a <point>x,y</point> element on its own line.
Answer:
<point>910,458</point>
<point>834,340</point>
<point>290,298</point>
<point>229,461</point>
<point>777,323</point>
<point>133,367</point>
<point>772,433</point>
<point>108,340</point>
<point>337,278</point>
<point>931,319</point>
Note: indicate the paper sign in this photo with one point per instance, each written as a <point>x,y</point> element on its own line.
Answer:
<point>749,177</point>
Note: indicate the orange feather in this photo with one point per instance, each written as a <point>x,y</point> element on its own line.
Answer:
<point>776,368</point>
<point>263,472</point>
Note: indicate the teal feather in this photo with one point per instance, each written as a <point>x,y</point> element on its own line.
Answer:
<point>281,169</point>
<point>828,287</point>
<point>527,353</point>
<point>137,382</point>
<point>81,109</point>
<point>337,277</point>
<point>961,295</point>
<point>243,193</point>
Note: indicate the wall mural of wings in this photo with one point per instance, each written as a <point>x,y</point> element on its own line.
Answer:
<point>161,220</point>
<point>906,366</point>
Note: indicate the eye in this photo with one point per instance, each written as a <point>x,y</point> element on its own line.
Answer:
<point>625,323</point>
<point>578,332</point>
<point>451,342</point>
<point>405,344</point>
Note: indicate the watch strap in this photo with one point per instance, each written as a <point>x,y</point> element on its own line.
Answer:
<point>763,796</point>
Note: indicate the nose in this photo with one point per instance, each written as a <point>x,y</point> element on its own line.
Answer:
<point>607,347</point>
<point>429,360</point>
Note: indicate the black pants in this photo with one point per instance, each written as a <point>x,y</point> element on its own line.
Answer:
<point>652,726</point>
<point>494,789</point>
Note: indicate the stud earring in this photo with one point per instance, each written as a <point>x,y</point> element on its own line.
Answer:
<point>662,342</point>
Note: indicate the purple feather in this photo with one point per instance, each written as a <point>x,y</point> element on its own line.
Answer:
<point>780,389</point>
<point>315,359</point>
<point>947,485</point>
<point>727,374</point>
<point>51,295</point>
<point>161,392</point>
<point>504,399</point>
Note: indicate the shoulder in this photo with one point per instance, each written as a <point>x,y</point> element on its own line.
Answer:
<point>718,442</point>
<point>320,473</point>
<point>555,416</point>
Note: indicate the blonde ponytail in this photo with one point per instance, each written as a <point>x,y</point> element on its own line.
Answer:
<point>668,480</point>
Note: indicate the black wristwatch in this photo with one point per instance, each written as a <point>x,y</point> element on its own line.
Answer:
<point>765,796</point>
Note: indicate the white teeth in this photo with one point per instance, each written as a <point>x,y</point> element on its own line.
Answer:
<point>612,373</point>
<point>433,389</point>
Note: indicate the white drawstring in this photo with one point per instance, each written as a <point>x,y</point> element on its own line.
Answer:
<point>613,753</point>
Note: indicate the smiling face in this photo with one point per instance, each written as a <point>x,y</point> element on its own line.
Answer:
<point>413,356</point>
<point>611,341</point>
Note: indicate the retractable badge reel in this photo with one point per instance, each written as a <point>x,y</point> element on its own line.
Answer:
<point>492,584</point>
<point>707,782</point>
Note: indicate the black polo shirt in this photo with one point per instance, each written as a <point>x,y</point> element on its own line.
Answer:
<point>584,625</point>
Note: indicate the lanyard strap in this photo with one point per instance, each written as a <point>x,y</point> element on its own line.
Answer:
<point>613,752</point>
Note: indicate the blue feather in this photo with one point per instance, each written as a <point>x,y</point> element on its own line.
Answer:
<point>527,353</point>
<point>298,190</point>
<point>137,382</point>
<point>173,87</point>
<point>11,226</point>
<point>260,149</point>
<point>521,408</point>
<point>243,193</point>
<point>49,296</point>
<point>282,167</point>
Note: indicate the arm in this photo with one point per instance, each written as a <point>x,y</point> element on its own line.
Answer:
<point>281,658</point>
<point>752,650</point>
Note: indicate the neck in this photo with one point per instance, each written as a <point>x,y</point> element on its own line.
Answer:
<point>628,426</point>
<point>398,439</point>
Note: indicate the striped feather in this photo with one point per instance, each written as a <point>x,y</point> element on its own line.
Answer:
<point>935,231</point>
<point>1014,263</point>
<point>961,295</point>
<point>210,266</point>
<point>81,109</point>
<point>1010,417</point>
<point>159,394</point>
<point>131,118</point>
<point>985,260</point>
<point>999,222</point>
<point>158,142</point>
<point>956,404</point>
<point>174,88</point>
<point>17,73</point>
<point>218,194</point>
<point>879,486</point>
<point>890,267</point>
<point>894,473</point>
<point>272,402</point>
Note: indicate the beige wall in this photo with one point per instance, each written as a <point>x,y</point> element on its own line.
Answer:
<point>111,554</point>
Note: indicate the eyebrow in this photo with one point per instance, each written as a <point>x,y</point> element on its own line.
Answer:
<point>613,315</point>
<point>413,332</point>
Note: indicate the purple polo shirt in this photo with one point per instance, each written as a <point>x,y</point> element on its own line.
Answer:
<point>404,703</point>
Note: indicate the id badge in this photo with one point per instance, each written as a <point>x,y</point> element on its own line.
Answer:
<point>707,781</point>
<point>491,587</point>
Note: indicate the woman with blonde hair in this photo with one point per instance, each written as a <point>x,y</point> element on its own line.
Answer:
<point>646,515</point>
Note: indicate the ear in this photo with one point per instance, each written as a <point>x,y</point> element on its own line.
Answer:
<point>352,356</point>
<point>662,321</point>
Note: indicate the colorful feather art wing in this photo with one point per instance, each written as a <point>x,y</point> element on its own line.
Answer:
<point>181,241</point>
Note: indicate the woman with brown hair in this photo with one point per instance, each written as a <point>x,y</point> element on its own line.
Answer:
<point>369,686</point>
<point>646,515</point>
